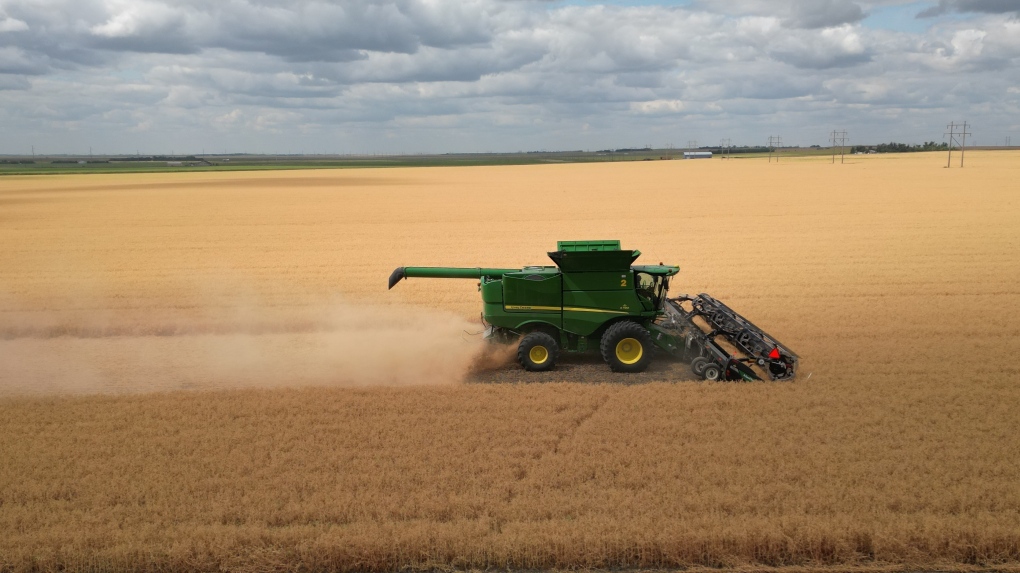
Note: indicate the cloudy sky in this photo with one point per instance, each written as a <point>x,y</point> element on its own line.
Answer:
<point>413,76</point>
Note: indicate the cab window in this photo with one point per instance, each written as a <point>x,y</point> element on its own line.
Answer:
<point>650,288</point>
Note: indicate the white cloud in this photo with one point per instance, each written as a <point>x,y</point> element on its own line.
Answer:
<point>827,48</point>
<point>135,18</point>
<point>12,25</point>
<point>658,106</point>
<point>503,74</point>
<point>968,43</point>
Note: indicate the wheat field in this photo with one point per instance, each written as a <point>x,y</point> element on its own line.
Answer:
<point>206,372</point>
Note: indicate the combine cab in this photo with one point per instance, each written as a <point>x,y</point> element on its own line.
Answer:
<point>596,299</point>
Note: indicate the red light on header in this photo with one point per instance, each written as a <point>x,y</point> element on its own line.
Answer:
<point>774,355</point>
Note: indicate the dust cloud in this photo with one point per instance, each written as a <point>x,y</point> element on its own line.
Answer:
<point>344,344</point>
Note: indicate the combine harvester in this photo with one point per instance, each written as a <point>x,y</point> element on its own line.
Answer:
<point>596,298</point>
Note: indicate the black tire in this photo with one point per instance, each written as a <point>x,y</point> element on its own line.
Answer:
<point>698,365</point>
<point>538,352</point>
<point>627,347</point>
<point>712,372</point>
<point>778,369</point>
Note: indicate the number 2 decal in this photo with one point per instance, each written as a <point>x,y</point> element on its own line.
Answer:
<point>623,282</point>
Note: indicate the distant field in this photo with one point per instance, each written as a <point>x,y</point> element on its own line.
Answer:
<point>285,163</point>
<point>31,165</point>
<point>49,166</point>
<point>205,371</point>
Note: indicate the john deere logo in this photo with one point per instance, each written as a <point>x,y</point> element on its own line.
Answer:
<point>624,307</point>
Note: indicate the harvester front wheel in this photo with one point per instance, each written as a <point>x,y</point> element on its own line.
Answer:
<point>627,347</point>
<point>698,365</point>
<point>538,352</point>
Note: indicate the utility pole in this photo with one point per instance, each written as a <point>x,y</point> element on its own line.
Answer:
<point>838,138</point>
<point>963,142</point>
<point>950,127</point>
<point>957,134</point>
<point>775,142</point>
<point>692,144</point>
<point>724,147</point>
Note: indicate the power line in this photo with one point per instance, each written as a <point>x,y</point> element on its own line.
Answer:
<point>724,148</point>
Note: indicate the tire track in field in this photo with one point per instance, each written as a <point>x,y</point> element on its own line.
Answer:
<point>566,436</point>
<point>578,423</point>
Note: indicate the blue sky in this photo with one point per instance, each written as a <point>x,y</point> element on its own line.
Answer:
<point>902,18</point>
<point>897,17</point>
<point>426,76</point>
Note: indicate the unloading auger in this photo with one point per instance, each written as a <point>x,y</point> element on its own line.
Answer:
<point>596,299</point>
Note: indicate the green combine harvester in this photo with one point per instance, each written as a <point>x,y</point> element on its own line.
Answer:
<point>595,298</point>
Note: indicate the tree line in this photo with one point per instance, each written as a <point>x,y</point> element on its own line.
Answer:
<point>893,147</point>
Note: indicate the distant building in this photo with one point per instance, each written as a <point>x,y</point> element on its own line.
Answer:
<point>174,163</point>
<point>697,155</point>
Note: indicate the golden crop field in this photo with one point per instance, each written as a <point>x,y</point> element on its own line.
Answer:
<point>206,372</point>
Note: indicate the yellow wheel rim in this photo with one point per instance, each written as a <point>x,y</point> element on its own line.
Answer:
<point>629,350</point>
<point>538,354</point>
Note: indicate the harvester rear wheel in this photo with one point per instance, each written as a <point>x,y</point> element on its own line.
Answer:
<point>627,347</point>
<point>712,372</point>
<point>538,352</point>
